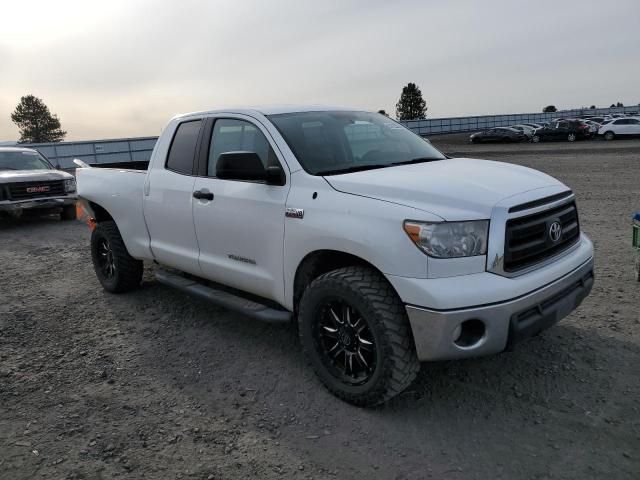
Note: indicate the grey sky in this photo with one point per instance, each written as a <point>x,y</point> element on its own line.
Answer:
<point>123,68</point>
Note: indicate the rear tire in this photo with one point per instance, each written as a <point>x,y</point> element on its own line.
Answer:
<point>68,213</point>
<point>117,271</point>
<point>374,357</point>
<point>536,139</point>
<point>571,137</point>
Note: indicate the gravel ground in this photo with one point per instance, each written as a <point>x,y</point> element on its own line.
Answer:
<point>157,385</point>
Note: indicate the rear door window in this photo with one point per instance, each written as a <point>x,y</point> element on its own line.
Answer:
<point>183,148</point>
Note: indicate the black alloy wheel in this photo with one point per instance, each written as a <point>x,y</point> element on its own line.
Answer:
<point>344,341</point>
<point>105,259</point>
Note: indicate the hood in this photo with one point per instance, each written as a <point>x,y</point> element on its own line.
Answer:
<point>12,176</point>
<point>453,189</point>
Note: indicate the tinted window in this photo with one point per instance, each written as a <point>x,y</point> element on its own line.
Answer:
<point>633,121</point>
<point>238,136</point>
<point>183,147</point>
<point>330,143</point>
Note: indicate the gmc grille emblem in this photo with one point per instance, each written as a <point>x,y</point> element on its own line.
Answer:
<point>41,189</point>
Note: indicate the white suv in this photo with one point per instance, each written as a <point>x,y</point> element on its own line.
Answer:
<point>620,127</point>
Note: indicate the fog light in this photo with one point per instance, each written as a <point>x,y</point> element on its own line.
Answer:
<point>469,333</point>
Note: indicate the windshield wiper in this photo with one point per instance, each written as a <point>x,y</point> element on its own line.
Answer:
<point>354,168</point>
<point>416,160</point>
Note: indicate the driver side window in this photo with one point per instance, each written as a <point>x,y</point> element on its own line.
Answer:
<point>232,135</point>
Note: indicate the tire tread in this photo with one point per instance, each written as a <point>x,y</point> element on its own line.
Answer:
<point>401,363</point>
<point>129,269</point>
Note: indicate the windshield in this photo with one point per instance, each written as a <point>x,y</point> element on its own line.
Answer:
<point>23,160</point>
<point>328,143</point>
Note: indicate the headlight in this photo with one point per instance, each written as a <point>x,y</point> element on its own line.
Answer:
<point>70,185</point>
<point>449,239</point>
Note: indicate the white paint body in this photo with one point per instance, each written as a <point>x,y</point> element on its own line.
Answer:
<point>622,126</point>
<point>359,213</point>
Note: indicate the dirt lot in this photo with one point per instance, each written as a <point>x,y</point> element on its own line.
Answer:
<point>157,385</point>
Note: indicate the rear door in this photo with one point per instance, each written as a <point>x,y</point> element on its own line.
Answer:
<point>168,201</point>
<point>491,135</point>
<point>240,229</point>
<point>548,132</point>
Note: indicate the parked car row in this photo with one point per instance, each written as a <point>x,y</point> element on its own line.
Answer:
<point>563,129</point>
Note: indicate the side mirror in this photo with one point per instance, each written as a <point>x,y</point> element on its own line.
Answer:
<point>240,166</point>
<point>275,175</point>
<point>247,166</point>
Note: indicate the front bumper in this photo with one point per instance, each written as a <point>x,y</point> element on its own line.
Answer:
<point>494,327</point>
<point>38,203</point>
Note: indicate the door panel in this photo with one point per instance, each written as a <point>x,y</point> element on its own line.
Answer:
<point>241,231</point>
<point>633,127</point>
<point>168,203</point>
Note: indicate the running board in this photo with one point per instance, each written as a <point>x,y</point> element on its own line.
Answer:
<point>225,299</point>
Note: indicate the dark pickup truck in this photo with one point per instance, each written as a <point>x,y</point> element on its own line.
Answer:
<point>29,182</point>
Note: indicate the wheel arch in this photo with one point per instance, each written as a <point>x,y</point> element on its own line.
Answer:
<point>99,213</point>
<point>319,262</point>
<point>135,237</point>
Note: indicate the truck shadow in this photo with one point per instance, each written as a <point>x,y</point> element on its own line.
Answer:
<point>556,370</point>
<point>29,219</point>
<point>551,390</point>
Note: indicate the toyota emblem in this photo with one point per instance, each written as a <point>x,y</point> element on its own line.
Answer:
<point>555,231</point>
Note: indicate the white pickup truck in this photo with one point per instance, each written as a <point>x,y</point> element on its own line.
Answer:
<point>382,251</point>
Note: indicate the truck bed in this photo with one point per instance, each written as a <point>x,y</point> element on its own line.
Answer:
<point>120,192</point>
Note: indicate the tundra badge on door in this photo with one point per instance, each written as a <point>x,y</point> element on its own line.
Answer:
<point>294,212</point>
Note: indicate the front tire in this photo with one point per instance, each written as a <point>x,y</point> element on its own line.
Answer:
<point>571,137</point>
<point>609,136</point>
<point>355,332</point>
<point>117,271</point>
<point>536,139</point>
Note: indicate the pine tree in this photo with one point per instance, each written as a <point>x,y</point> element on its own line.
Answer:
<point>411,105</point>
<point>35,121</point>
<point>549,109</point>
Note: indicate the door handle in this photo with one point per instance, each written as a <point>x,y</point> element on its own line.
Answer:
<point>200,195</point>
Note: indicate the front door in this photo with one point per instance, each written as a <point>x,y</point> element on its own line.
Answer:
<point>240,229</point>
